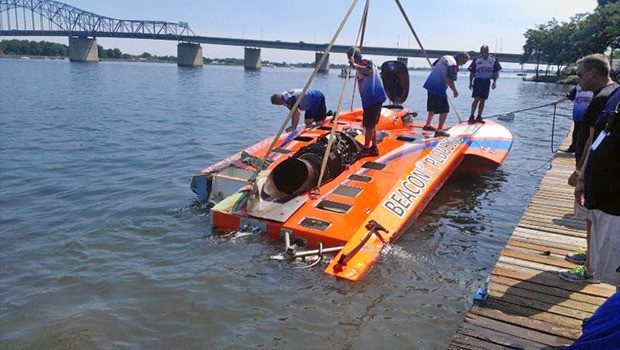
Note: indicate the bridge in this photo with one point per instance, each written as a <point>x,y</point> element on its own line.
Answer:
<point>53,18</point>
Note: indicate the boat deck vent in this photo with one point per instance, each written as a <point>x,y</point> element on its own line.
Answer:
<point>360,178</point>
<point>315,224</point>
<point>304,138</point>
<point>324,128</point>
<point>406,138</point>
<point>373,165</point>
<point>336,207</point>
<point>347,191</point>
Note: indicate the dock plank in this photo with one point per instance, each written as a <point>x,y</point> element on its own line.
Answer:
<point>528,305</point>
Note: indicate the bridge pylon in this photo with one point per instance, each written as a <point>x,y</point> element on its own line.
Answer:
<point>252,59</point>
<point>403,59</point>
<point>325,66</point>
<point>189,55</point>
<point>83,49</point>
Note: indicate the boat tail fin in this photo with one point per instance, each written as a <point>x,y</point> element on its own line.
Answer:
<point>360,252</point>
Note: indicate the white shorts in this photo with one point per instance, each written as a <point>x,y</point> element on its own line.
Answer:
<point>605,247</point>
<point>581,212</point>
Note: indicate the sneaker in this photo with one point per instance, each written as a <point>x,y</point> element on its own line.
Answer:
<point>471,120</point>
<point>578,257</point>
<point>439,133</point>
<point>479,119</point>
<point>578,275</point>
<point>428,128</point>
<point>368,152</point>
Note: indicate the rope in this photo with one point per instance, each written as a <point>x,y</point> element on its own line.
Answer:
<point>402,10</point>
<point>553,152</point>
<point>340,103</point>
<point>525,109</point>
<point>555,107</point>
<point>297,103</point>
<point>360,40</point>
<point>332,132</point>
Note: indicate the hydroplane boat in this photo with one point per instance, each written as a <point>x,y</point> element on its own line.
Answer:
<point>360,204</point>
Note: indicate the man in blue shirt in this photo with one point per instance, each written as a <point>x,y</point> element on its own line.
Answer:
<point>313,103</point>
<point>482,69</point>
<point>441,78</point>
<point>372,94</point>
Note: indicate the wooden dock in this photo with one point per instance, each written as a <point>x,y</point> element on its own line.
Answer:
<point>528,305</point>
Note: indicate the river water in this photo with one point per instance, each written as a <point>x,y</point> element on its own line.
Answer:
<point>102,244</point>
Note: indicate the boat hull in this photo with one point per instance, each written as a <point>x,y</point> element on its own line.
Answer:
<point>368,204</point>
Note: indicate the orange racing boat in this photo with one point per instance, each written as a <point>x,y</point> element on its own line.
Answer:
<point>361,203</point>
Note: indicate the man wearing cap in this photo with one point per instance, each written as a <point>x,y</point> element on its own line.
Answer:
<point>482,69</point>
<point>372,94</point>
<point>442,77</point>
<point>313,103</point>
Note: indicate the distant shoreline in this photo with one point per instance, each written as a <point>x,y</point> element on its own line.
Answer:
<point>564,79</point>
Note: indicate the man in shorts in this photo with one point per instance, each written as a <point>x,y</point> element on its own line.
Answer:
<point>313,103</point>
<point>441,78</point>
<point>482,69</point>
<point>372,94</point>
<point>597,187</point>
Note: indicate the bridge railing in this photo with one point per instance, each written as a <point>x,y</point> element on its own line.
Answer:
<point>19,18</point>
<point>34,15</point>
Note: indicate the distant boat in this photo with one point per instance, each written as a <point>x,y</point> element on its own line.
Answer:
<point>522,74</point>
<point>25,58</point>
<point>343,73</point>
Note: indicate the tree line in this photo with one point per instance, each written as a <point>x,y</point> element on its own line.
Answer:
<point>563,43</point>
<point>45,48</point>
<point>33,48</point>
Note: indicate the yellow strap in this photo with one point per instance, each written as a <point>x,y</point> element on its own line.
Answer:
<point>360,34</point>
<point>333,131</point>
<point>296,105</point>
<point>402,10</point>
<point>360,41</point>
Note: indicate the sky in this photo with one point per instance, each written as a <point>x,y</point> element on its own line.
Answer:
<point>459,25</point>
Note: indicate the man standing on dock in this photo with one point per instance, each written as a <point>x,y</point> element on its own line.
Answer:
<point>482,69</point>
<point>598,171</point>
<point>441,78</point>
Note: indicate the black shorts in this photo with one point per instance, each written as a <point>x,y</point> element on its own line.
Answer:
<point>319,113</point>
<point>481,88</point>
<point>437,104</point>
<point>371,115</point>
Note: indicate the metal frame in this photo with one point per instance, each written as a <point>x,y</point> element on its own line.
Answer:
<point>73,21</point>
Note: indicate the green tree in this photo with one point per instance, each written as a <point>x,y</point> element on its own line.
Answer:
<point>533,47</point>
<point>101,52</point>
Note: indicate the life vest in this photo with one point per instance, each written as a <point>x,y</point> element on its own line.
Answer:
<point>581,102</point>
<point>483,68</point>
<point>444,68</point>
<point>601,184</point>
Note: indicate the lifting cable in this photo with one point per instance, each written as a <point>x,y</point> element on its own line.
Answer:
<point>252,180</point>
<point>360,44</point>
<point>330,142</point>
<point>402,10</point>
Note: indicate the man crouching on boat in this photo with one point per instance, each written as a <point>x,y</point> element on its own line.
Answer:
<point>373,95</point>
<point>313,103</point>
